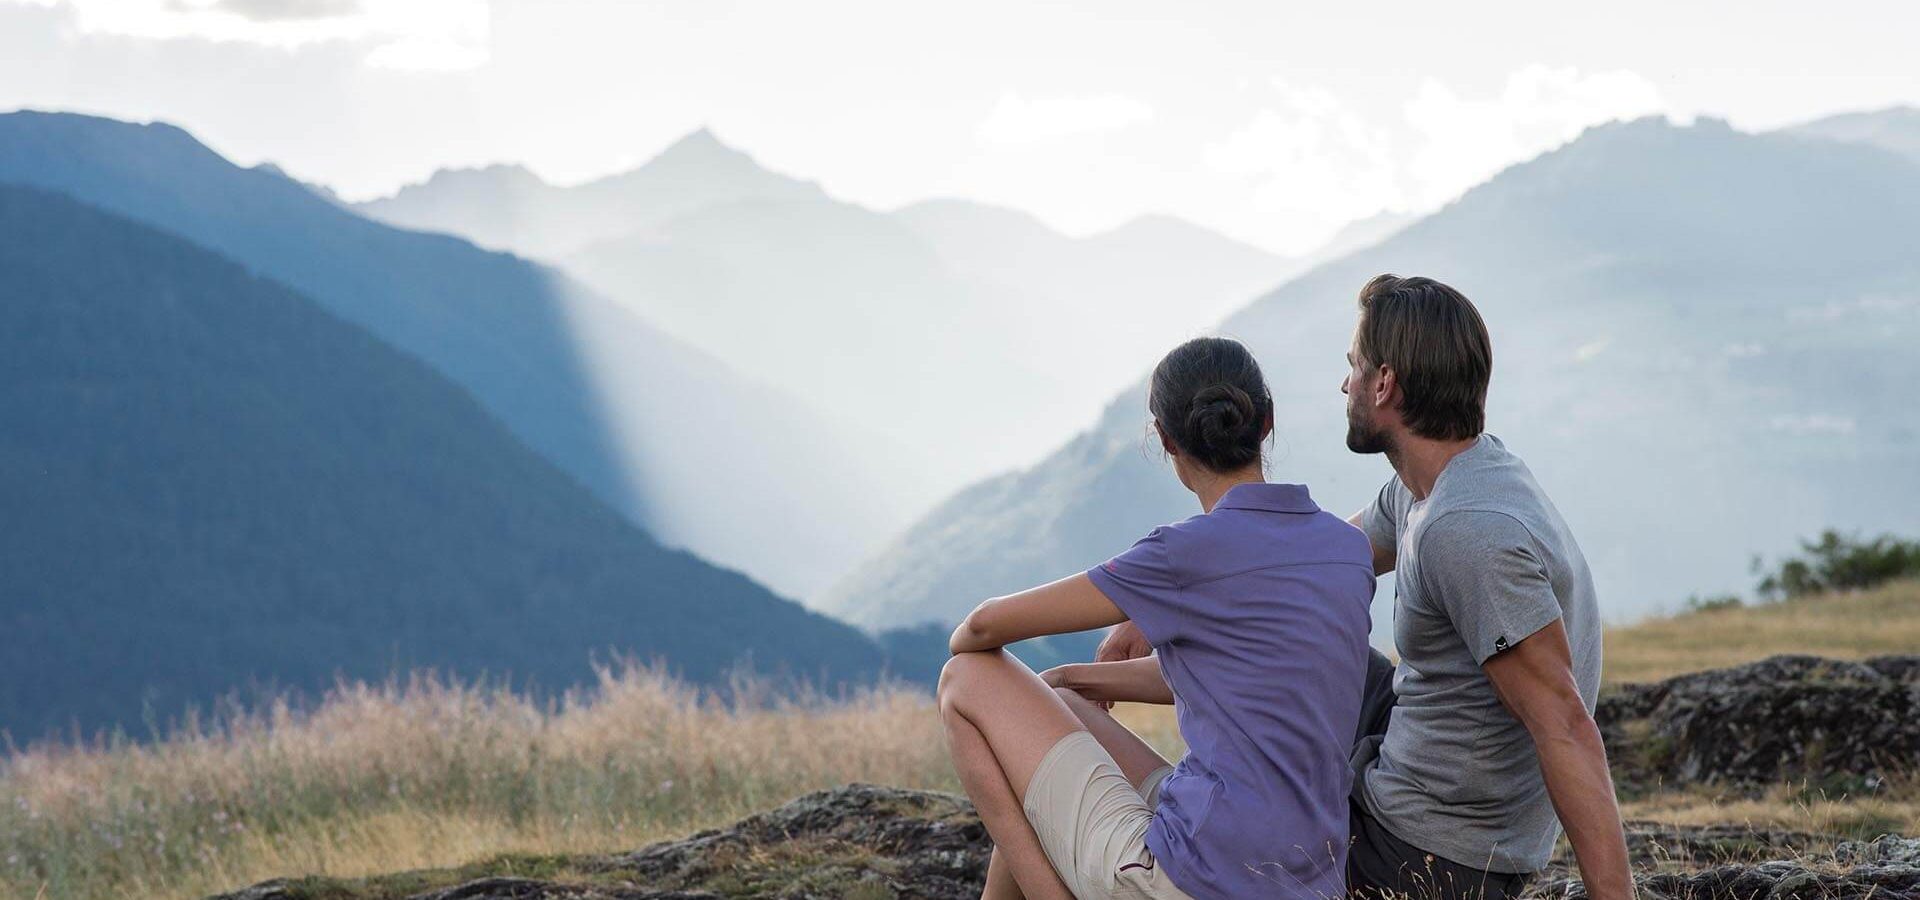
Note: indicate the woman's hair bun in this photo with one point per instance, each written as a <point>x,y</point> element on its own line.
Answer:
<point>1220,414</point>
<point>1210,398</point>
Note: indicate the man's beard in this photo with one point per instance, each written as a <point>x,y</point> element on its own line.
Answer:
<point>1363,437</point>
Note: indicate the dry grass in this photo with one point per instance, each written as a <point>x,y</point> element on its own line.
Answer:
<point>430,773</point>
<point>1841,626</point>
<point>1895,808</point>
<point>433,773</point>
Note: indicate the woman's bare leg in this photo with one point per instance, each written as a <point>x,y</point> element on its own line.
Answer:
<point>1136,757</point>
<point>1001,720</point>
<point>1000,882</point>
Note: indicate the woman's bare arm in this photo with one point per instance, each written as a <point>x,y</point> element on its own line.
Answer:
<point>1129,681</point>
<point>1062,607</point>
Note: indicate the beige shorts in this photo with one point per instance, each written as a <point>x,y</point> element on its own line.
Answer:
<point>1093,823</point>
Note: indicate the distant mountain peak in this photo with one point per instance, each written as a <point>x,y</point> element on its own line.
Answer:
<point>1166,229</point>
<point>1160,224</point>
<point>700,146</point>
<point>1895,128</point>
<point>502,174</point>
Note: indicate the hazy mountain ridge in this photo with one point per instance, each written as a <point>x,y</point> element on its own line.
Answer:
<point>976,337</point>
<point>642,420</point>
<point>1895,129</point>
<point>508,207</point>
<point>1689,319</point>
<point>216,483</point>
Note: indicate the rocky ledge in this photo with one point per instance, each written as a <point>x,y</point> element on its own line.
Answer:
<point>869,842</point>
<point>1840,727</point>
<point>1836,726</point>
<point>858,841</point>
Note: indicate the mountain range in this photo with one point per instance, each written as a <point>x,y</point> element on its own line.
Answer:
<point>976,336</point>
<point>214,483</point>
<point>733,468</point>
<point>1896,129</point>
<point>1702,346</point>
<point>265,439</point>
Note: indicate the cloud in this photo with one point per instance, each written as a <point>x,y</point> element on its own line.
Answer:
<point>1815,423</point>
<point>1016,119</point>
<point>1871,305</point>
<point>1587,351</point>
<point>1312,162</point>
<point>1462,141</point>
<point>283,10</point>
<point>399,34</point>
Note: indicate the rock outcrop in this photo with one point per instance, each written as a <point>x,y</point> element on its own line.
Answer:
<point>1839,726</point>
<point>864,841</point>
<point>859,841</point>
<point>1790,717</point>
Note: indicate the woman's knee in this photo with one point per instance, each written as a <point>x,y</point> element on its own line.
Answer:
<point>962,672</point>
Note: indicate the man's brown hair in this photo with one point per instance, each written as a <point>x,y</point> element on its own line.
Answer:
<point>1438,347</point>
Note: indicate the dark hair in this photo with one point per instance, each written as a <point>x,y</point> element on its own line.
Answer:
<point>1435,341</point>
<point>1210,399</point>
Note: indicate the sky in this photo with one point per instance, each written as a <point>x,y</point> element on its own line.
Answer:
<point>1275,123</point>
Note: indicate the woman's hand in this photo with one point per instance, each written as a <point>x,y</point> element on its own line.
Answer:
<point>1122,643</point>
<point>1063,677</point>
<point>1104,683</point>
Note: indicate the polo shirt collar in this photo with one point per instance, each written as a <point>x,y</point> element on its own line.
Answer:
<point>1268,497</point>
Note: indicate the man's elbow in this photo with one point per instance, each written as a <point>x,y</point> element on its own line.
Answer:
<point>1567,724</point>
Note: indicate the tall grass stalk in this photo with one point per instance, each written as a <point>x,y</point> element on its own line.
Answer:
<point>429,771</point>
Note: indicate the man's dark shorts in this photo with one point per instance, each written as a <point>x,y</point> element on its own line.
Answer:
<point>1380,864</point>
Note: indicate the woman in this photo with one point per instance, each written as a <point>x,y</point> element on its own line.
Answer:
<point>1257,613</point>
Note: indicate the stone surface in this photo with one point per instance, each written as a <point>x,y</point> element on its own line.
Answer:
<point>860,842</point>
<point>863,841</point>
<point>1842,727</point>
<point>1789,717</point>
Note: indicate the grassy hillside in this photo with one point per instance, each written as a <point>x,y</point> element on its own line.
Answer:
<point>428,774</point>
<point>1878,621</point>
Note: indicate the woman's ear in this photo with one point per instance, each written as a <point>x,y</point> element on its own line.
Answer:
<point>1166,443</point>
<point>1266,430</point>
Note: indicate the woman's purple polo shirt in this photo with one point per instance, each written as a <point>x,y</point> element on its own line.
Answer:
<point>1258,612</point>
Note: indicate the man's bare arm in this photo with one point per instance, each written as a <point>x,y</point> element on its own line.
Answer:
<point>1383,557</point>
<point>1535,681</point>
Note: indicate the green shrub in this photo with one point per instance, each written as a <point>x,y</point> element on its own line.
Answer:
<point>1838,562</point>
<point>1697,603</point>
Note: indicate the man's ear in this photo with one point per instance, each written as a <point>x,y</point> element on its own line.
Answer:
<point>1385,387</point>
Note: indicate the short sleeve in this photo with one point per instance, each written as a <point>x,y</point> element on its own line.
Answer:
<point>1381,519</point>
<point>1141,582</point>
<point>1482,568</point>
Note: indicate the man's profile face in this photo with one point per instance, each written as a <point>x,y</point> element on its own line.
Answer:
<point>1364,434</point>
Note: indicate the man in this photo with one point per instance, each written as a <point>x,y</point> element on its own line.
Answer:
<point>1482,741</point>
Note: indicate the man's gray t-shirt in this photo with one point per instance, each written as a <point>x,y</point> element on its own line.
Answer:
<point>1482,563</point>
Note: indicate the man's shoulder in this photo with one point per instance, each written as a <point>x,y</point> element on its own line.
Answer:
<point>1472,530</point>
<point>1492,480</point>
